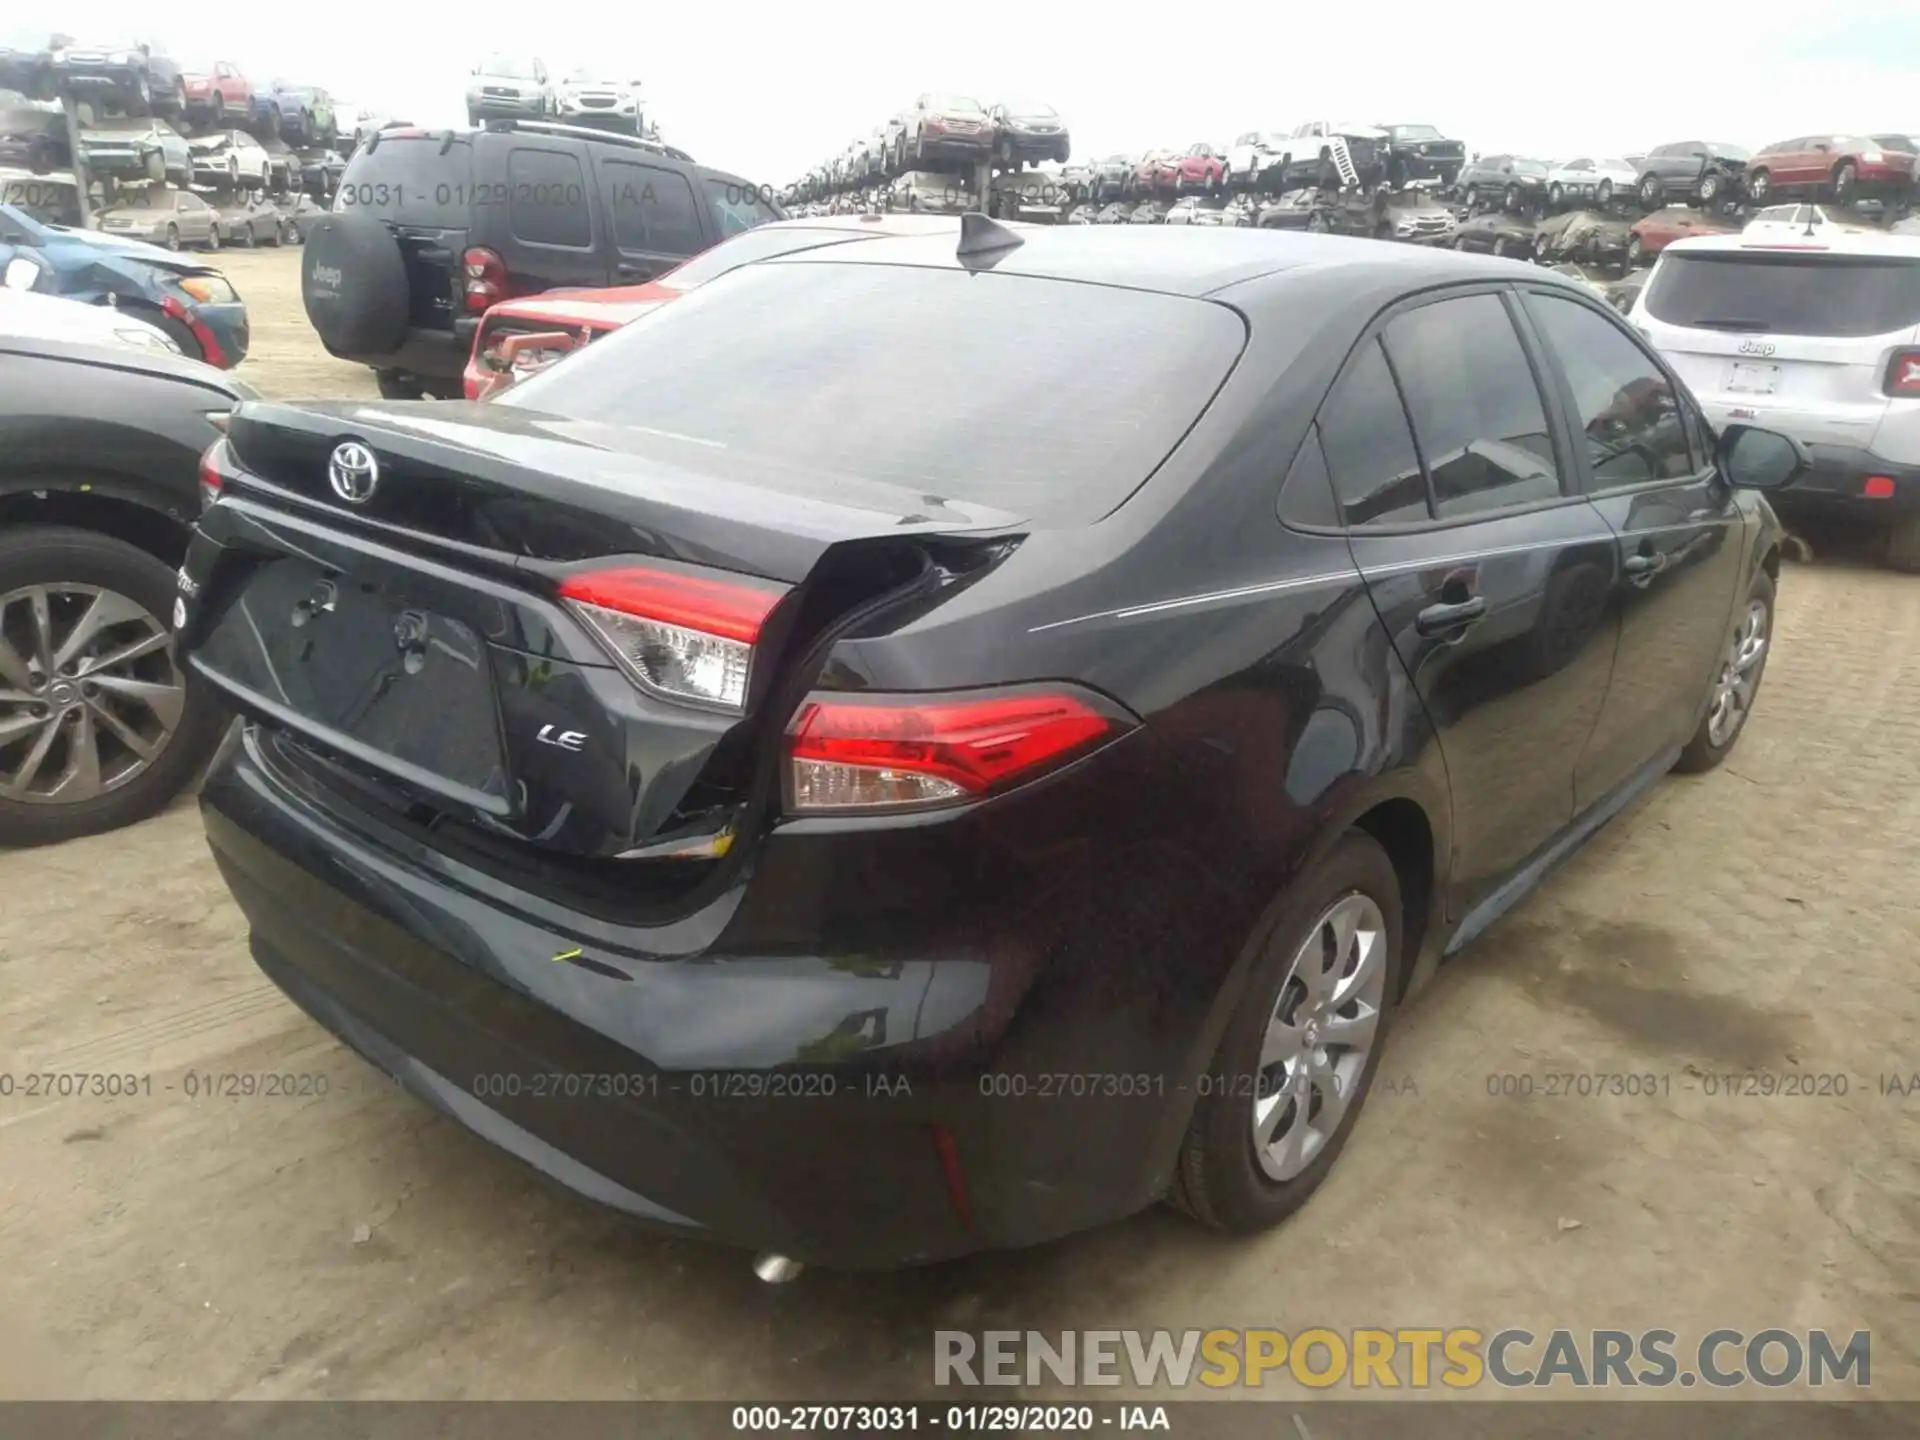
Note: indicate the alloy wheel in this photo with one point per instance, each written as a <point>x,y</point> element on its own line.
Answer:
<point>1739,675</point>
<point>1322,1029</point>
<point>90,692</point>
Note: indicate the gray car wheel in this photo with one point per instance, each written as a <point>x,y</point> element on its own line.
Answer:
<point>100,724</point>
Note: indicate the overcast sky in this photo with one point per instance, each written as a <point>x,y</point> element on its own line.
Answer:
<point>767,90</point>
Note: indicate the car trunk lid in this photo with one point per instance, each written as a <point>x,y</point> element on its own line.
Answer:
<point>483,635</point>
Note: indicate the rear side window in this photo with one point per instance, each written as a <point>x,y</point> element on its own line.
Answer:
<point>1777,294</point>
<point>736,206</point>
<point>653,209</point>
<point>1476,410</point>
<point>1050,400</point>
<point>547,198</point>
<point>1368,448</point>
<point>409,181</point>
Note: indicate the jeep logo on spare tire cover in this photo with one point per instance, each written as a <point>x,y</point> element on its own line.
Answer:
<point>353,283</point>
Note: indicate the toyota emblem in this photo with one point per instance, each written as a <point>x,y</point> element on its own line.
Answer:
<point>353,472</point>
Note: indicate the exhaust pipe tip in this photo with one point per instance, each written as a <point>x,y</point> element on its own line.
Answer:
<point>776,1269</point>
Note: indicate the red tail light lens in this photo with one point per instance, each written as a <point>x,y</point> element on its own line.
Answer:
<point>485,276</point>
<point>1878,487</point>
<point>854,752</point>
<point>1903,375</point>
<point>679,634</point>
<point>213,477</point>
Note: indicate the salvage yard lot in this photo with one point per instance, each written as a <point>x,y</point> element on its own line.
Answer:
<point>345,1241</point>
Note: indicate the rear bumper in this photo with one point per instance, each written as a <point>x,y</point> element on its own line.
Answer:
<point>434,354</point>
<point>1836,487</point>
<point>504,107</point>
<point>797,1065</point>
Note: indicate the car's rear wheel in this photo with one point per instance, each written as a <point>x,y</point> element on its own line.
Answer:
<point>1300,1052</point>
<point>1846,183</point>
<point>1903,545</point>
<point>1736,683</point>
<point>100,723</point>
<point>173,236</point>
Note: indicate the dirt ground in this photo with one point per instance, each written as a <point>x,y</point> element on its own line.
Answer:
<point>1763,918</point>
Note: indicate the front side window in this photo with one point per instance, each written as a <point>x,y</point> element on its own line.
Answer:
<point>1476,410</point>
<point>1623,402</point>
<point>1368,450</point>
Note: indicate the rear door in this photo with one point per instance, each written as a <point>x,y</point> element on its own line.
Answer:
<point>1794,338</point>
<point>1488,569</point>
<point>1644,459</point>
<point>542,219</point>
<point>657,221</point>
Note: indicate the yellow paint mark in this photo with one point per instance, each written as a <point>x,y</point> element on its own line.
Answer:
<point>573,954</point>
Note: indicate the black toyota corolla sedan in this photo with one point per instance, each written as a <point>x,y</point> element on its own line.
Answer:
<point>931,745</point>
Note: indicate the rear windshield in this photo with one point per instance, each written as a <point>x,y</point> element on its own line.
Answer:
<point>408,180</point>
<point>1050,400</point>
<point>1786,294</point>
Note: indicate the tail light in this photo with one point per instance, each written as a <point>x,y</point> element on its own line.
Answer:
<point>216,465</point>
<point>875,753</point>
<point>1903,375</point>
<point>486,278</point>
<point>678,633</point>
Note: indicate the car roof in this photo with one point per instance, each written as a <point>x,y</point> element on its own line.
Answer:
<point>1182,262</point>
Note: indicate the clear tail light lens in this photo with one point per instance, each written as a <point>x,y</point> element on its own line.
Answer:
<point>485,278</point>
<point>680,635</point>
<point>873,753</point>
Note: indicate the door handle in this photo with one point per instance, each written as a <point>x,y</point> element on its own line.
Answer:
<point>1439,619</point>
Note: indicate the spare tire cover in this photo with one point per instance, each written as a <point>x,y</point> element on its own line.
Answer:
<point>353,282</point>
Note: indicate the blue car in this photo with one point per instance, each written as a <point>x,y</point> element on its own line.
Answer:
<point>193,303</point>
<point>297,114</point>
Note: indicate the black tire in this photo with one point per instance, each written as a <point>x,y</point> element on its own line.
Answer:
<point>1846,183</point>
<point>1511,200</point>
<point>1217,1180</point>
<point>1604,193</point>
<point>155,167</point>
<point>173,236</point>
<point>279,236</point>
<point>353,284</point>
<point>213,236</point>
<point>1702,753</point>
<point>1759,186</point>
<point>42,554</point>
<point>394,385</point>
<point>1650,191</point>
<point>1709,189</point>
<point>1636,252</point>
<point>1555,194</point>
<point>293,235</point>
<point>1903,546</point>
<point>1473,197</point>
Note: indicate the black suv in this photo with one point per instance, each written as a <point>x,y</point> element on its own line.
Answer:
<point>430,227</point>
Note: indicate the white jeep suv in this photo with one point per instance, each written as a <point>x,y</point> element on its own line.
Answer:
<point>1816,335</point>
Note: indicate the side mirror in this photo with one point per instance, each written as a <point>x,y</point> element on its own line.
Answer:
<point>1756,459</point>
